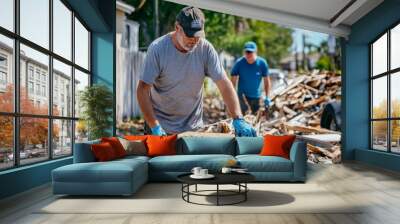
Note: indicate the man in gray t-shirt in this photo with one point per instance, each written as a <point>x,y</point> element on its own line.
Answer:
<point>170,89</point>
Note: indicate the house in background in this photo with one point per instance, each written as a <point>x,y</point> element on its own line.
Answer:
<point>129,62</point>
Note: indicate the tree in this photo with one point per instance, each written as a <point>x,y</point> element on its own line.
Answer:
<point>97,103</point>
<point>33,131</point>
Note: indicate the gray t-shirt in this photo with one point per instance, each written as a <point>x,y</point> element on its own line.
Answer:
<point>177,78</point>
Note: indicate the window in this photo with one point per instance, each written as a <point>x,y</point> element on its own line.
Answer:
<point>385,97</point>
<point>6,142</point>
<point>3,61</point>
<point>46,76</point>
<point>81,45</point>
<point>30,72</point>
<point>62,75</point>
<point>3,72</point>
<point>37,74</point>
<point>35,21</point>
<point>44,91</point>
<point>30,87</point>
<point>3,78</point>
<point>6,73</point>
<point>33,149</point>
<point>7,14</point>
<point>62,140</point>
<point>81,81</point>
<point>38,89</point>
<point>62,29</point>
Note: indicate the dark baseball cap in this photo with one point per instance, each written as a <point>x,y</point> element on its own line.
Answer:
<point>192,21</point>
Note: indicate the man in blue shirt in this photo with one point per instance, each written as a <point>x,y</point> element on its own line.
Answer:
<point>250,70</point>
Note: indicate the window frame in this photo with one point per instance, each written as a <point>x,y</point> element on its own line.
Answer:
<point>16,114</point>
<point>388,74</point>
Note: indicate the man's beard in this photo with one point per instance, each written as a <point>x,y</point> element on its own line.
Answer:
<point>182,44</point>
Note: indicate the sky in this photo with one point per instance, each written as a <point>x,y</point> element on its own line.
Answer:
<point>311,37</point>
<point>35,27</point>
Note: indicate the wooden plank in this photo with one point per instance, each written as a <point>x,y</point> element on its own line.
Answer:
<point>334,155</point>
<point>306,129</point>
<point>291,86</point>
<point>314,102</point>
<point>323,140</point>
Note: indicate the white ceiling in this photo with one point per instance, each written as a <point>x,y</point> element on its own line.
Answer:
<point>314,15</point>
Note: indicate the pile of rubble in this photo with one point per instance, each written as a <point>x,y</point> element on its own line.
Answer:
<point>296,109</point>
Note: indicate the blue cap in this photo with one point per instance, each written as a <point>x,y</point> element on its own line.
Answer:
<point>250,46</point>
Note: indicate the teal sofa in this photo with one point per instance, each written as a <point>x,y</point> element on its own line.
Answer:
<point>125,176</point>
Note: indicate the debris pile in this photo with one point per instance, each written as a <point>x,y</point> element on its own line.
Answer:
<point>296,109</point>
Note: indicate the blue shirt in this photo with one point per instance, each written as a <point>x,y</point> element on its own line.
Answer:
<point>250,76</point>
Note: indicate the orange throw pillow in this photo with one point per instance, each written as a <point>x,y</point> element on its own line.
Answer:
<point>103,152</point>
<point>277,145</point>
<point>116,145</point>
<point>161,145</point>
<point>136,137</point>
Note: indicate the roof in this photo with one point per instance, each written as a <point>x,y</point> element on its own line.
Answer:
<point>128,9</point>
<point>327,16</point>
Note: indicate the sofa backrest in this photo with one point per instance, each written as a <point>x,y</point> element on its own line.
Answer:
<point>83,153</point>
<point>249,145</point>
<point>192,145</point>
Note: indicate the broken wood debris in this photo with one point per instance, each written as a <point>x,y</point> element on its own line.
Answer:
<point>296,109</point>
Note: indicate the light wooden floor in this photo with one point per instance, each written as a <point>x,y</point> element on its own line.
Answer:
<point>378,188</point>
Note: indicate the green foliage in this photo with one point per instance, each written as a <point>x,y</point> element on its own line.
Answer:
<point>97,103</point>
<point>226,32</point>
<point>325,63</point>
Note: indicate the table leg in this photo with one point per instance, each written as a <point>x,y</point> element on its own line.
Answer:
<point>245,193</point>
<point>217,194</point>
<point>188,190</point>
<point>196,188</point>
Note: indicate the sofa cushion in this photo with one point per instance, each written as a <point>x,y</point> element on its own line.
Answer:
<point>134,147</point>
<point>116,145</point>
<point>112,171</point>
<point>185,163</point>
<point>257,163</point>
<point>118,177</point>
<point>83,152</point>
<point>249,145</point>
<point>161,145</point>
<point>198,145</point>
<point>103,152</point>
<point>277,145</point>
<point>133,158</point>
<point>136,137</point>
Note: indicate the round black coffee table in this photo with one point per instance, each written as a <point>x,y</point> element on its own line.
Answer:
<point>238,179</point>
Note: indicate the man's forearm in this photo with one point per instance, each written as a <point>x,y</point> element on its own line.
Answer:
<point>234,81</point>
<point>144,100</point>
<point>267,86</point>
<point>230,97</point>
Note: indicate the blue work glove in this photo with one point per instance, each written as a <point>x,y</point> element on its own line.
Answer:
<point>158,130</point>
<point>243,129</point>
<point>267,101</point>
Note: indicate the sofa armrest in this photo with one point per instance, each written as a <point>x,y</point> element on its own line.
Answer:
<point>83,152</point>
<point>298,155</point>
